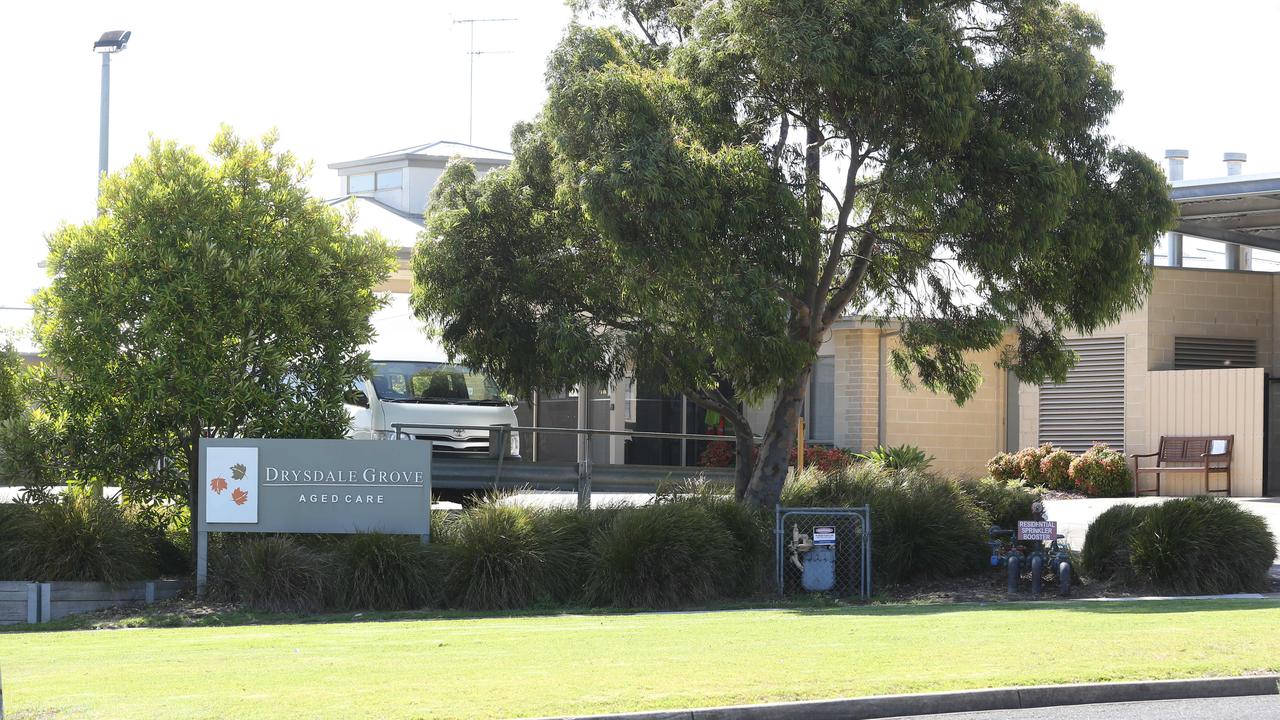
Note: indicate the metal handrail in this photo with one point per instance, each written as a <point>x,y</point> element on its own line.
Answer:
<point>584,463</point>
<point>399,426</point>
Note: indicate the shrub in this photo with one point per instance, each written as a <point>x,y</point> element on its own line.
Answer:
<point>383,572</point>
<point>1055,469</point>
<point>925,528</point>
<point>662,555</point>
<point>719,454</point>
<point>922,526</point>
<point>1101,472</point>
<point>78,536</point>
<point>167,529</point>
<point>856,485</point>
<point>1004,467</point>
<point>1106,552</point>
<point>1005,502</point>
<point>12,517</point>
<point>827,459</point>
<point>1202,545</point>
<point>499,557</point>
<point>270,572</point>
<point>1188,545</point>
<point>1029,460</point>
<point>902,457</point>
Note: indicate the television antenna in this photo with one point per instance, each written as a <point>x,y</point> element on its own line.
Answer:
<point>471,76</point>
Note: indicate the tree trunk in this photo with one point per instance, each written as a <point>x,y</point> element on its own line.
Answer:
<point>743,466</point>
<point>770,471</point>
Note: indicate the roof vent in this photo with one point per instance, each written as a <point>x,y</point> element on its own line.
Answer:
<point>1235,162</point>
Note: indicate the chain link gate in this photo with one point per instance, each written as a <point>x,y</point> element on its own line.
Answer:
<point>823,550</point>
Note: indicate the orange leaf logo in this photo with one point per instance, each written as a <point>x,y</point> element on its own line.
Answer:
<point>218,484</point>
<point>239,496</point>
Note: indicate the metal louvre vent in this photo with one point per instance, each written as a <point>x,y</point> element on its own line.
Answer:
<point>1089,406</point>
<point>1200,353</point>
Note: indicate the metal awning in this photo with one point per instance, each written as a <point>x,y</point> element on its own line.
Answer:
<point>1240,209</point>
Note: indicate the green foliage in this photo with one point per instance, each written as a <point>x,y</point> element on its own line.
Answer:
<point>749,528</point>
<point>76,537</point>
<point>922,526</point>
<point>661,556</point>
<point>500,557</point>
<point>902,457</point>
<point>1202,545</point>
<point>1187,546</point>
<point>209,297</point>
<point>12,517</point>
<point>1102,472</point>
<point>12,399</point>
<point>270,572</point>
<point>167,528</point>
<point>384,572</point>
<point>672,209</point>
<point>1004,501</point>
<point>1107,544</point>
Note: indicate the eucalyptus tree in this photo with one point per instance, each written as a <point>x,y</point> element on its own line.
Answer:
<point>705,195</point>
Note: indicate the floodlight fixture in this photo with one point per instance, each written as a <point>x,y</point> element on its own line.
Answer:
<point>112,41</point>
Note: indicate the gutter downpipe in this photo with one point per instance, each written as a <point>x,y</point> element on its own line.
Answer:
<point>882,403</point>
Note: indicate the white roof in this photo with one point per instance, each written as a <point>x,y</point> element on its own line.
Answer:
<point>447,149</point>
<point>399,228</point>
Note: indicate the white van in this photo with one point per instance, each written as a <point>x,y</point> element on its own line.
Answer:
<point>412,381</point>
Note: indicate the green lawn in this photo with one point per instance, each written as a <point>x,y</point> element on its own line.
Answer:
<point>560,664</point>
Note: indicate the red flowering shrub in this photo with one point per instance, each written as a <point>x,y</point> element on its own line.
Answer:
<point>1055,470</point>
<point>1101,472</point>
<point>826,459</point>
<point>1004,467</point>
<point>1029,460</point>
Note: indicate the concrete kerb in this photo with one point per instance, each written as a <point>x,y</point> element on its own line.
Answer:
<point>888,706</point>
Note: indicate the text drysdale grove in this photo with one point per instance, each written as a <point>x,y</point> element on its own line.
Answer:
<point>368,476</point>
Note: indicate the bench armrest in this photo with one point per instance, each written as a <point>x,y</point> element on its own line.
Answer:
<point>1136,455</point>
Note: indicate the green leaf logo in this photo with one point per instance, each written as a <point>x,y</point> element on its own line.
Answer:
<point>237,471</point>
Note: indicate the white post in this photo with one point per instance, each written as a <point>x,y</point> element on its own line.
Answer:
<point>1238,257</point>
<point>1175,159</point>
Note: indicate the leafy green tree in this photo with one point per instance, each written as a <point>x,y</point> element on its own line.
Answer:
<point>210,298</point>
<point>11,367</point>
<point>730,181</point>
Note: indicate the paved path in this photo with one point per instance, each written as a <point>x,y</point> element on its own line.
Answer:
<point>1262,707</point>
<point>1073,516</point>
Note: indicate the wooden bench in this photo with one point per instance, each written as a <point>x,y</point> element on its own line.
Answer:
<point>1211,453</point>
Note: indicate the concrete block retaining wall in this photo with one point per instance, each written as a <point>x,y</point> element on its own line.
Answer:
<point>28,602</point>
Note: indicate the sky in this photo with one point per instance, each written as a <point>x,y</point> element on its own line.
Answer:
<point>345,80</point>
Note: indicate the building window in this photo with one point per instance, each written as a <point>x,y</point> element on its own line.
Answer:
<point>360,183</point>
<point>1089,406</point>
<point>820,423</point>
<point>1201,353</point>
<point>389,179</point>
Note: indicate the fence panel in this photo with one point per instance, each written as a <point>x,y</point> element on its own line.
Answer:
<point>826,550</point>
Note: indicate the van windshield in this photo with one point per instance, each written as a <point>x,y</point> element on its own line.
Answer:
<point>433,382</point>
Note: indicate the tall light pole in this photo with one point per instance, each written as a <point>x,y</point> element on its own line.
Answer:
<point>471,77</point>
<point>111,42</point>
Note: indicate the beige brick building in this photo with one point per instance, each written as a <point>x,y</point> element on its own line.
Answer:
<point>1195,359</point>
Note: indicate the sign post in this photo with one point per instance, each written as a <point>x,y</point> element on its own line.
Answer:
<point>311,486</point>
